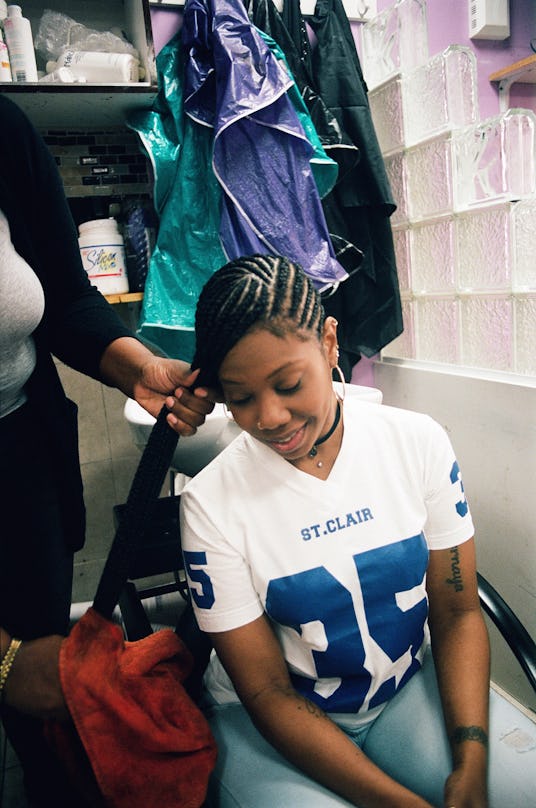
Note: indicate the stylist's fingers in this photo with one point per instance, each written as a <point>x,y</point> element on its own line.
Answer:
<point>188,410</point>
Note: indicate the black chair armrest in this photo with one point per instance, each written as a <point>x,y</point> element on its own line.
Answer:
<point>511,628</point>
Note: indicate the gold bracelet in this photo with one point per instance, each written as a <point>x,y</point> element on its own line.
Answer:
<point>7,662</point>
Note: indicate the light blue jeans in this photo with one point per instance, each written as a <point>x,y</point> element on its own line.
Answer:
<point>407,741</point>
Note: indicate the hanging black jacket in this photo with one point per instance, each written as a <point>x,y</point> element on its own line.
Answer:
<point>367,304</point>
<point>289,31</point>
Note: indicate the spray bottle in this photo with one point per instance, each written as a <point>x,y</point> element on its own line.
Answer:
<point>5,67</point>
<point>19,40</point>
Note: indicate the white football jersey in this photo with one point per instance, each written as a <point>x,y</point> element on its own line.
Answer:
<point>338,565</point>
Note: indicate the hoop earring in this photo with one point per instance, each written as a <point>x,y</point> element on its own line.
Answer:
<point>342,381</point>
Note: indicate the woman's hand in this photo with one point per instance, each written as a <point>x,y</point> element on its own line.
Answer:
<point>466,788</point>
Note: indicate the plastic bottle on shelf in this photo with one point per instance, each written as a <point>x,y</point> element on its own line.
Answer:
<point>19,40</point>
<point>60,76</point>
<point>97,67</point>
<point>103,255</point>
<point>5,66</point>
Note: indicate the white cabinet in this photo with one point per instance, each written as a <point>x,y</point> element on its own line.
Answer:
<point>90,105</point>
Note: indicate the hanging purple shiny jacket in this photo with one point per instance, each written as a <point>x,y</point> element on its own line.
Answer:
<point>233,83</point>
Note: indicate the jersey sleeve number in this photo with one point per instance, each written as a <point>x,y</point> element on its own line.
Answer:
<point>201,587</point>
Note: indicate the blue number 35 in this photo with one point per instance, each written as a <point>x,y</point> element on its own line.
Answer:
<point>316,596</point>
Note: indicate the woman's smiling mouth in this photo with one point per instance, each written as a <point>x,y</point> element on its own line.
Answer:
<point>289,444</point>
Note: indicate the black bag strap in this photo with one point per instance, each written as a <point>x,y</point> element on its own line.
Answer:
<point>144,491</point>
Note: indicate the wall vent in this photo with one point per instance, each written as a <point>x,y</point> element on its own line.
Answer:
<point>489,19</point>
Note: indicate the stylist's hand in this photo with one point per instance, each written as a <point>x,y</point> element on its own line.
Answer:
<point>187,410</point>
<point>33,684</point>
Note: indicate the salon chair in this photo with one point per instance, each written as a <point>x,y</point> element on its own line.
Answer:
<point>510,628</point>
<point>160,556</point>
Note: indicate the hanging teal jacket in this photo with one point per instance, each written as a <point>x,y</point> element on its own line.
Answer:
<point>187,201</point>
<point>207,218</point>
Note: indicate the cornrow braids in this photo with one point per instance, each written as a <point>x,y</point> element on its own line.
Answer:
<point>268,291</point>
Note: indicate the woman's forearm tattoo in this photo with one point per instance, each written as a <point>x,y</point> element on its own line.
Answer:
<point>310,707</point>
<point>472,733</point>
<point>456,580</point>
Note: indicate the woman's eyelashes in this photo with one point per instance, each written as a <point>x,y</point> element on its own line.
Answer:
<point>288,391</point>
<point>238,402</point>
<point>282,390</point>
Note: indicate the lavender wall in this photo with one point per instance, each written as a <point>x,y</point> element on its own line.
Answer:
<point>448,24</point>
<point>165,23</point>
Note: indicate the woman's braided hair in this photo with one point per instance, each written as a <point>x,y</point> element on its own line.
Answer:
<point>253,291</point>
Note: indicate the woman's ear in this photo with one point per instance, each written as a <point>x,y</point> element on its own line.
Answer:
<point>330,342</point>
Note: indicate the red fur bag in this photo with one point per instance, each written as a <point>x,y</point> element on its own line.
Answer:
<point>146,741</point>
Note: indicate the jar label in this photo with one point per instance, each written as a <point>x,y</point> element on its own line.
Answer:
<point>103,260</point>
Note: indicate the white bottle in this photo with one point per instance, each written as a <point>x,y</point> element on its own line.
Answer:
<point>5,67</point>
<point>99,68</point>
<point>60,76</point>
<point>19,41</point>
<point>103,255</point>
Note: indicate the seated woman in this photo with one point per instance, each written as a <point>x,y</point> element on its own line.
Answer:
<point>331,559</point>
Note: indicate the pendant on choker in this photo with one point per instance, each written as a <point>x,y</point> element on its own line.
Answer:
<point>324,438</point>
<point>313,453</point>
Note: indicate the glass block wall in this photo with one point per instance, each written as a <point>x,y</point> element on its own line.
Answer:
<point>466,195</point>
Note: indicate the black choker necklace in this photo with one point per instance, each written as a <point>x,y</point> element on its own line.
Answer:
<point>329,433</point>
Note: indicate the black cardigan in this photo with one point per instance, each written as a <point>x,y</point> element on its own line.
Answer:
<point>78,323</point>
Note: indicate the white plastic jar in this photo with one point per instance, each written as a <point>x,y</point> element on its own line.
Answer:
<point>103,255</point>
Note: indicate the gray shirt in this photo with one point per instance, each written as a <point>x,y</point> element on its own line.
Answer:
<point>22,303</point>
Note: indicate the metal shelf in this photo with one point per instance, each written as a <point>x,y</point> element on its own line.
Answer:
<point>76,106</point>
<point>522,72</point>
